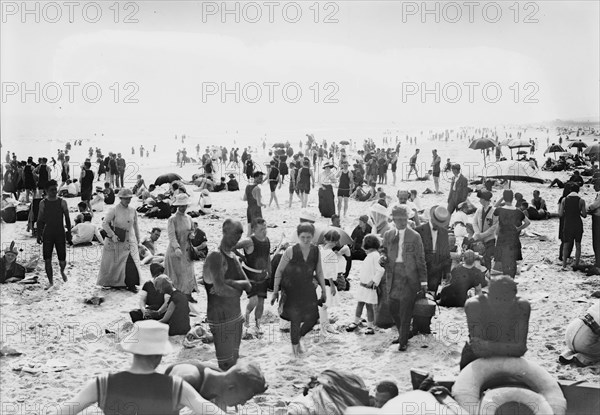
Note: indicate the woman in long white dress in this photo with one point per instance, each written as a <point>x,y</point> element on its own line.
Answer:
<point>120,265</point>
<point>178,264</point>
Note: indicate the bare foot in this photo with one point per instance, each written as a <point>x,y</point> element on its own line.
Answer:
<point>64,276</point>
<point>49,286</point>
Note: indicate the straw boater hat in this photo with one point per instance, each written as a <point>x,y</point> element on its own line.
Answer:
<point>328,165</point>
<point>439,215</point>
<point>150,338</point>
<point>125,194</point>
<point>307,217</point>
<point>181,200</point>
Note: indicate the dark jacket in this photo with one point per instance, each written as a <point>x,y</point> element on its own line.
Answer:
<point>462,190</point>
<point>414,260</point>
<point>438,261</point>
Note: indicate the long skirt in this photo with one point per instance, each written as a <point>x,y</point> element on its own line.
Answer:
<point>120,265</point>
<point>326,201</point>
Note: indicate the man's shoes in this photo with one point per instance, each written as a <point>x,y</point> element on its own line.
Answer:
<point>397,341</point>
<point>402,348</point>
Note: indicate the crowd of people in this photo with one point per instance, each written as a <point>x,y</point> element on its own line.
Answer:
<point>408,254</point>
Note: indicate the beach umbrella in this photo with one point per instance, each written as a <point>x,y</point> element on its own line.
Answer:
<point>345,142</point>
<point>482,144</point>
<point>520,171</point>
<point>593,151</point>
<point>554,148</point>
<point>519,143</point>
<point>167,178</point>
<point>279,145</point>
<point>505,142</point>
<point>578,144</point>
<point>521,152</point>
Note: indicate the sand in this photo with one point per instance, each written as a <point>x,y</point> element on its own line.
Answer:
<point>55,330</point>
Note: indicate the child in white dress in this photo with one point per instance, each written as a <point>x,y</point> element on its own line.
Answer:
<point>329,264</point>
<point>370,277</point>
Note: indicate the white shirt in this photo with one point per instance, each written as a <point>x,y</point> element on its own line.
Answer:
<point>84,233</point>
<point>400,233</point>
<point>434,234</point>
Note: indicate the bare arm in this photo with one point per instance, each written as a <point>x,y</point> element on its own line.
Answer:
<point>65,209</point>
<point>143,296</point>
<point>582,208</point>
<point>526,223</point>
<point>168,314</point>
<point>214,273</point>
<point>41,219</point>
<point>283,263</point>
<point>246,244</point>
<point>192,400</point>
<point>165,305</point>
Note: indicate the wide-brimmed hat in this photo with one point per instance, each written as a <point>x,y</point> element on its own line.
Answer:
<point>125,194</point>
<point>181,200</point>
<point>328,165</point>
<point>148,338</point>
<point>307,217</point>
<point>439,216</point>
<point>232,176</point>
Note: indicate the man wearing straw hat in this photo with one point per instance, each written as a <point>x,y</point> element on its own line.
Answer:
<point>141,389</point>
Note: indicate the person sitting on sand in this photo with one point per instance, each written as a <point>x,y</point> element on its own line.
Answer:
<point>204,202</point>
<point>150,240</point>
<point>575,178</point>
<point>199,243</point>
<point>69,189</point>
<point>139,185</point>
<point>583,339</point>
<point>232,184</point>
<point>109,194</point>
<point>10,270</point>
<point>384,391</point>
<point>363,195</point>
<point>177,315</point>
<point>221,186</point>
<point>465,279</point>
<point>148,342</point>
<point>84,212</point>
<point>148,193</point>
<point>162,209</point>
<point>498,322</point>
<point>153,304</point>
<point>233,387</point>
<point>84,232</point>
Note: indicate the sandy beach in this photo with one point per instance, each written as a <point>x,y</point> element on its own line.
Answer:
<point>64,342</point>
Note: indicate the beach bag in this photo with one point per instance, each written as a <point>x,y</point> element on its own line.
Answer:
<point>383,317</point>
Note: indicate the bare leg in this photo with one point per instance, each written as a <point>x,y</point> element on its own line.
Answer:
<point>339,204</point>
<point>345,206</point>
<point>63,265</point>
<point>577,253</point>
<point>49,272</point>
<point>252,302</point>
<point>260,306</point>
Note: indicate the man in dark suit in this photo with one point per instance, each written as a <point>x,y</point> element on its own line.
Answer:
<point>405,272</point>
<point>459,189</point>
<point>434,236</point>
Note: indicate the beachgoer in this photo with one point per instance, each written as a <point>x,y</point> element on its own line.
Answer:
<point>148,343</point>
<point>232,184</point>
<point>177,315</point>
<point>224,281</point>
<point>358,234</point>
<point>511,221</point>
<point>464,279</point>
<point>153,304</point>
<point>583,339</point>
<point>87,183</point>
<point>233,387</point>
<point>405,272</point>
<point>121,166</point>
<point>51,230</point>
<point>498,322</point>
<point>485,224</point>
<point>572,208</point>
<point>413,164</point>
<point>120,264</point>
<point>294,277</point>
<point>253,196</point>
<point>459,189</point>
<point>370,276</point>
<point>384,391</point>
<point>436,170</point>
<point>305,180</point>
<point>326,200</point>
<point>274,180</point>
<point>594,211</point>
<point>178,263</point>
<point>199,243</point>
<point>345,187</point>
<point>84,232</point>
<point>10,270</point>
<point>257,265</point>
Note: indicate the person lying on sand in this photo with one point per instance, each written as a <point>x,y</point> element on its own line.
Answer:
<point>233,387</point>
<point>583,339</point>
<point>10,270</point>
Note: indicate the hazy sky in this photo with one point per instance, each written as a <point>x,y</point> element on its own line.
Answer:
<point>374,53</point>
